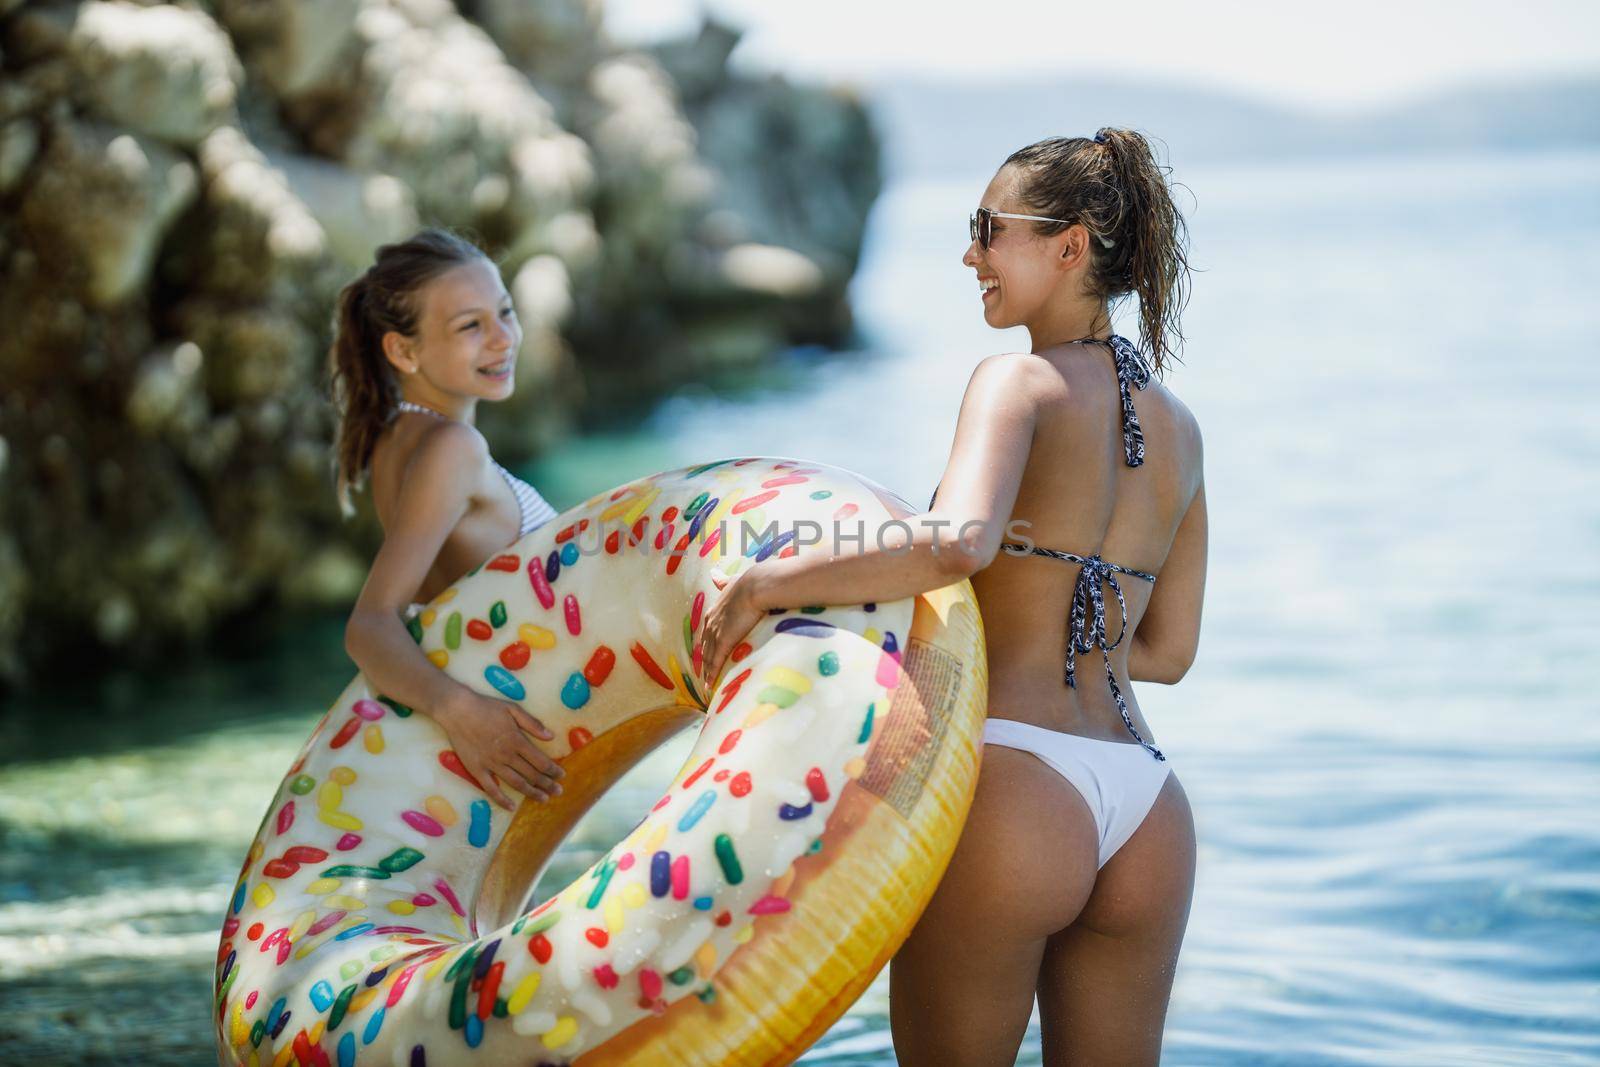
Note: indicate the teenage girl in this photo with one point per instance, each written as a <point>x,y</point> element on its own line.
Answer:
<point>425,334</point>
<point>1072,878</point>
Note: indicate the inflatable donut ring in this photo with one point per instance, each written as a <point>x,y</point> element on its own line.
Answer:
<point>380,914</point>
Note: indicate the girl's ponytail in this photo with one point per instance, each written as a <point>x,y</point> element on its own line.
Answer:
<point>363,387</point>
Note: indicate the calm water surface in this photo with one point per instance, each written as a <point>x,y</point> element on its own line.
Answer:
<point>1390,738</point>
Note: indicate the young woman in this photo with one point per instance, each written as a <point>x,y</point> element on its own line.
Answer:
<point>424,335</point>
<point>1073,875</point>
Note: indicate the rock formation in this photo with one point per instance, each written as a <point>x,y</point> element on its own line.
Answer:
<point>185,187</point>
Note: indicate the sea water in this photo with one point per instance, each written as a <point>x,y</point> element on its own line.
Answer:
<point>1390,737</point>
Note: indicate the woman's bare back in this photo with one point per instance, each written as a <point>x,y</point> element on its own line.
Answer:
<point>1080,496</point>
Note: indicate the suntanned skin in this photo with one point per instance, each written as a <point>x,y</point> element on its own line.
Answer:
<point>444,510</point>
<point>1021,911</point>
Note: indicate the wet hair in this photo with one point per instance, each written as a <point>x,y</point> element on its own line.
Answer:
<point>361,382</point>
<point>1112,184</point>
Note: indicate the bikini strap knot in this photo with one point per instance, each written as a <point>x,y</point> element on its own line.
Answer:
<point>1132,370</point>
<point>1089,606</point>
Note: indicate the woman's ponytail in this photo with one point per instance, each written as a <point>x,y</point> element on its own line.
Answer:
<point>1156,235</point>
<point>1112,184</point>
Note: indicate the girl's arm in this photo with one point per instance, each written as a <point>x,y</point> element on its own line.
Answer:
<point>486,732</point>
<point>432,503</point>
<point>957,538</point>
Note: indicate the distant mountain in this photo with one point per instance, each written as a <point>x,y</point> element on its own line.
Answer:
<point>951,128</point>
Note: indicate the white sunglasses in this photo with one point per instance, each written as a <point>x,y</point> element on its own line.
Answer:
<point>979,228</point>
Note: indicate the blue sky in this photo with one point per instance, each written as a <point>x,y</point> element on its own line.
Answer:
<point>1331,56</point>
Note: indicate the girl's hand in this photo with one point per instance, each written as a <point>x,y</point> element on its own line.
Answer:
<point>491,738</point>
<point>728,622</point>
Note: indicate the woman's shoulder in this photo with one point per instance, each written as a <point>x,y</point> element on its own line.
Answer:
<point>1026,373</point>
<point>1182,415</point>
<point>1013,370</point>
<point>1008,363</point>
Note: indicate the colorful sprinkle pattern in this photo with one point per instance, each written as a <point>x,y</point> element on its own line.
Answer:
<point>350,936</point>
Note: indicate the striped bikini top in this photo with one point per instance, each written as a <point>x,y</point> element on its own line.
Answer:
<point>1088,595</point>
<point>535,510</point>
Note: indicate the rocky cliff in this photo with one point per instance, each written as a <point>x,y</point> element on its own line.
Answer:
<point>184,188</point>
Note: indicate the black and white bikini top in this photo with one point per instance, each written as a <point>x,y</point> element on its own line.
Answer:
<point>1088,595</point>
<point>535,510</point>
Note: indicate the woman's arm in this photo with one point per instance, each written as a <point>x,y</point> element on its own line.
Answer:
<point>1145,665</point>
<point>957,538</point>
<point>488,734</point>
<point>1169,630</point>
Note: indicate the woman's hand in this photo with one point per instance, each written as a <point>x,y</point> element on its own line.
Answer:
<point>491,738</point>
<point>728,622</point>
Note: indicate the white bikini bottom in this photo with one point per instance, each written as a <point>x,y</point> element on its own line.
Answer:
<point>1119,781</point>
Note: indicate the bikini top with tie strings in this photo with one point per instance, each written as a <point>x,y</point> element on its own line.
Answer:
<point>534,509</point>
<point>1088,595</point>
